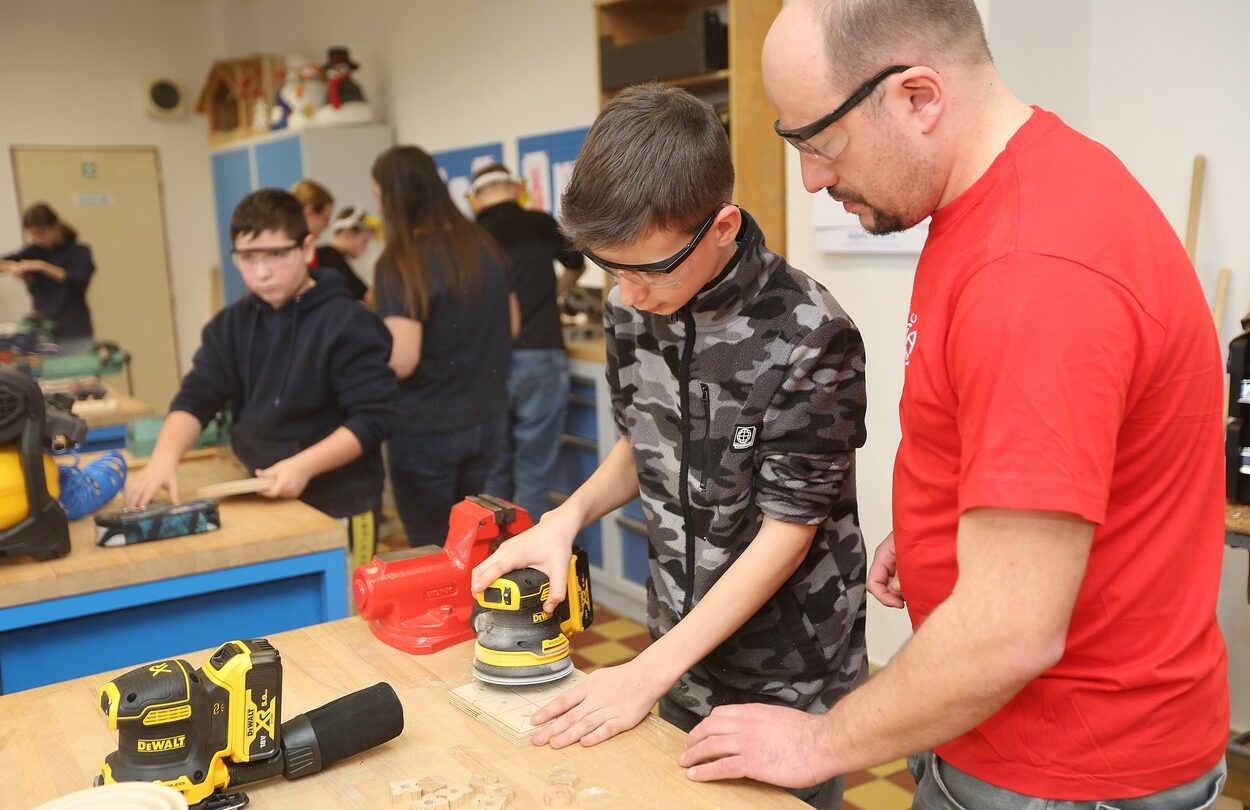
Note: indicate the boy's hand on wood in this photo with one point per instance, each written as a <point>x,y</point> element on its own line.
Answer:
<point>609,701</point>
<point>289,476</point>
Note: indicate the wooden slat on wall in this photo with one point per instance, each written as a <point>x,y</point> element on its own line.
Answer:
<point>758,153</point>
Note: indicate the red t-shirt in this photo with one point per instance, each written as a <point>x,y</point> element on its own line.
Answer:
<point>1060,356</point>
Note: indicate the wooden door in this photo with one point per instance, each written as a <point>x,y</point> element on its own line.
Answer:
<point>113,197</point>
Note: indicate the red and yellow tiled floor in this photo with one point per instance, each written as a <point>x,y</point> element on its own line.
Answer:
<point>614,639</point>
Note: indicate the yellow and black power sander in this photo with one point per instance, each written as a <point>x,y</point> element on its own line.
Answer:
<point>517,643</point>
<point>201,731</point>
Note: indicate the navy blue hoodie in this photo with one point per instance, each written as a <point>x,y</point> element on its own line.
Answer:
<point>65,302</point>
<point>292,377</point>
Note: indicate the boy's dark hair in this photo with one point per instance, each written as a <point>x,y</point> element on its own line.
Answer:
<point>656,158</point>
<point>269,209</point>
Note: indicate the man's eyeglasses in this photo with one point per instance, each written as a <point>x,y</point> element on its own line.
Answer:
<point>271,257</point>
<point>836,139</point>
<point>656,274</point>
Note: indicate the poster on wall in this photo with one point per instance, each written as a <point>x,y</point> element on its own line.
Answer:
<point>456,167</point>
<point>837,231</point>
<point>546,163</point>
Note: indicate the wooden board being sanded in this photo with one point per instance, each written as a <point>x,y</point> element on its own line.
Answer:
<point>244,486</point>
<point>507,709</point>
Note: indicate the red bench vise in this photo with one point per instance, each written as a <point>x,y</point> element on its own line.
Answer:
<point>419,600</point>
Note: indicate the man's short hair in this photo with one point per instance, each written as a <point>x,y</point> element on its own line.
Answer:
<point>269,209</point>
<point>863,37</point>
<point>656,158</point>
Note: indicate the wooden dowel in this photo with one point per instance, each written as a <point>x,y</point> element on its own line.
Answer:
<point>1195,206</point>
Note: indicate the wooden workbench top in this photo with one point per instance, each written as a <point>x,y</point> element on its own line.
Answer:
<point>590,349</point>
<point>253,529</point>
<point>53,740</point>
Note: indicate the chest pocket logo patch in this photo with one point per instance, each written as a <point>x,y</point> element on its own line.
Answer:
<point>744,437</point>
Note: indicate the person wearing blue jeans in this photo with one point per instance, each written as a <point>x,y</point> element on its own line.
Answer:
<point>432,472</point>
<point>942,786</point>
<point>538,385</point>
<point>538,392</point>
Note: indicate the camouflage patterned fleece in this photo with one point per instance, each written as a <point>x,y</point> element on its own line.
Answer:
<point>748,402</point>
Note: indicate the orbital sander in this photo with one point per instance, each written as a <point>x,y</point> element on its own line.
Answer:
<point>517,643</point>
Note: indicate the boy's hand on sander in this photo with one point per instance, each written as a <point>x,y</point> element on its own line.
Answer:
<point>547,547</point>
<point>609,701</point>
<point>290,478</point>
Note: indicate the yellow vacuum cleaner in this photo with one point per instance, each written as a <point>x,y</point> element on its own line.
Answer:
<point>31,520</point>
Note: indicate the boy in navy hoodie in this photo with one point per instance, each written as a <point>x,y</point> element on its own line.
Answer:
<point>304,370</point>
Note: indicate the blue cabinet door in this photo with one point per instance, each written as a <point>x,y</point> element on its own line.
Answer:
<point>278,163</point>
<point>232,181</point>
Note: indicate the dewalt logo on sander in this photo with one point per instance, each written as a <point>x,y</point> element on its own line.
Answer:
<point>162,744</point>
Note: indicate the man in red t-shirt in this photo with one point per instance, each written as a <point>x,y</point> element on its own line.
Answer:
<point>1058,491</point>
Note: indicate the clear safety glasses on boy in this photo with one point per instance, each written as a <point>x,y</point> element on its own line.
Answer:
<point>832,140</point>
<point>269,256</point>
<point>656,274</point>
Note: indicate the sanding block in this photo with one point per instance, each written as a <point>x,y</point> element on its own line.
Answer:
<point>158,522</point>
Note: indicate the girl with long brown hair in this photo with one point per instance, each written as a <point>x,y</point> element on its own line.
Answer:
<point>442,291</point>
<point>56,268</point>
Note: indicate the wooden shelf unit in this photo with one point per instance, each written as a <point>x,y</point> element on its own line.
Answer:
<point>758,154</point>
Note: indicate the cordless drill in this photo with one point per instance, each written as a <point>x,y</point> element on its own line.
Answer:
<point>200,731</point>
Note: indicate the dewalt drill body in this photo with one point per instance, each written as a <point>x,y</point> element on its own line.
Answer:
<point>202,731</point>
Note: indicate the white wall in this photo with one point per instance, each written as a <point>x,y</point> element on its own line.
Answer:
<point>76,75</point>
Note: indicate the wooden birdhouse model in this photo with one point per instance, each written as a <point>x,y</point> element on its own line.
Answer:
<point>236,95</point>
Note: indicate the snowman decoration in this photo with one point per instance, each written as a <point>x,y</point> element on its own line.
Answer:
<point>346,101</point>
<point>302,92</point>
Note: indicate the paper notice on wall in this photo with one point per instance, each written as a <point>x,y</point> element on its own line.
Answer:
<point>838,231</point>
<point>536,170</point>
<point>458,188</point>
<point>92,198</point>
<point>561,174</point>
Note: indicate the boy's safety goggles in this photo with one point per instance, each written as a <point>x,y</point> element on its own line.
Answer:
<point>656,274</point>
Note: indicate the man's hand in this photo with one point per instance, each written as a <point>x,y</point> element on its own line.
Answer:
<point>609,701</point>
<point>767,743</point>
<point>144,486</point>
<point>289,476</point>
<point>547,547</point>
<point>883,575</point>
<point>9,266</point>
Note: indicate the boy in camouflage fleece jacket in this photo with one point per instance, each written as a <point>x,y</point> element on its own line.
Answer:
<point>738,391</point>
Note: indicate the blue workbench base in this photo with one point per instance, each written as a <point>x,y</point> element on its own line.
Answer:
<point>46,642</point>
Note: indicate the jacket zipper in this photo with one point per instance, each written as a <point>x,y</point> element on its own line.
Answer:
<point>683,378</point>
<point>707,435</point>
